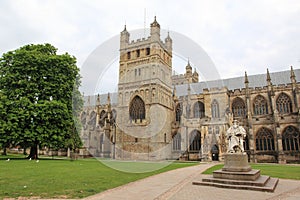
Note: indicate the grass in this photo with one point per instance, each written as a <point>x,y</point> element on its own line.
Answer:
<point>60,178</point>
<point>273,170</point>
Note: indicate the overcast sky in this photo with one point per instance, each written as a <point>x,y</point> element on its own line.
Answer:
<point>237,35</point>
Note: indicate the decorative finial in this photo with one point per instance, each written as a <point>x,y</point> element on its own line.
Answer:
<point>292,73</point>
<point>188,65</point>
<point>246,78</point>
<point>98,100</point>
<point>108,98</point>
<point>268,76</point>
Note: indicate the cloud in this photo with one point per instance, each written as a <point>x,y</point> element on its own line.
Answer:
<point>237,35</point>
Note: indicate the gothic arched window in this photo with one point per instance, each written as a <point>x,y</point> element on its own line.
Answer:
<point>195,141</point>
<point>103,115</point>
<point>178,112</point>
<point>177,142</point>
<point>290,139</point>
<point>264,140</point>
<point>92,121</point>
<point>238,107</point>
<point>215,109</point>
<point>199,110</point>
<point>284,103</point>
<point>83,118</point>
<point>137,109</point>
<point>114,115</point>
<point>260,105</point>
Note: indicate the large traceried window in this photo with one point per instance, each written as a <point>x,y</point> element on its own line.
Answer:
<point>238,107</point>
<point>265,140</point>
<point>290,139</point>
<point>215,109</point>
<point>284,103</point>
<point>178,112</point>
<point>92,121</point>
<point>199,110</point>
<point>177,142</point>
<point>260,105</point>
<point>137,109</point>
<point>103,116</point>
<point>83,118</point>
<point>195,141</point>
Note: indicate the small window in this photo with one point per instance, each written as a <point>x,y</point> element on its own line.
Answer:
<point>138,53</point>
<point>139,72</point>
<point>135,140</point>
<point>128,55</point>
<point>148,51</point>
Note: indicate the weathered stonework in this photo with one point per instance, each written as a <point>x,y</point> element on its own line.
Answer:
<point>178,122</point>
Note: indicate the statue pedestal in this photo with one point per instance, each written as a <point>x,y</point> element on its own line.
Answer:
<point>236,162</point>
<point>237,174</point>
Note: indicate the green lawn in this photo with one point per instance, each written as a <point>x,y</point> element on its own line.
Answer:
<point>273,170</point>
<point>64,178</point>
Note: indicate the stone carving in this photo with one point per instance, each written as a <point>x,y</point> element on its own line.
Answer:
<point>235,135</point>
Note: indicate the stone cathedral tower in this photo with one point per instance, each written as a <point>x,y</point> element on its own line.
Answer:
<point>145,104</point>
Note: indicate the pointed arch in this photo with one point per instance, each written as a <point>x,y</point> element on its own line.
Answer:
<point>178,112</point>
<point>199,109</point>
<point>103,115</point>
<point>260,105</point>
<point>92,121</point>
<point>215,109</point>
<point>137,109</point>
<point>291,139</point>
<point>238,107</point>
<point>176,142</point>
<point>264,140</point>
<point>284,103</point>
<point>195,141</point>
<point>83,118</point>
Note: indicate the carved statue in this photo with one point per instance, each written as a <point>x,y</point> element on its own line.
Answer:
<point>235,135</point>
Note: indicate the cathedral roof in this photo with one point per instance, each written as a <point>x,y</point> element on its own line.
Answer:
<point>258,80</point>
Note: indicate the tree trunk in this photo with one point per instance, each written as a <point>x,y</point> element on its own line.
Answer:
<point>33,152</point>
<point>4,152</point>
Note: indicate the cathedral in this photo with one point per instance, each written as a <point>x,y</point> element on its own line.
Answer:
<point>156,115</point>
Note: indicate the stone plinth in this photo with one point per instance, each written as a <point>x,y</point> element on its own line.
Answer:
<point>249,175</point>
<point>237,174</point>
<point>236,162</point>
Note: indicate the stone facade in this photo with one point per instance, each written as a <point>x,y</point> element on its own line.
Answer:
<point>157,116</point>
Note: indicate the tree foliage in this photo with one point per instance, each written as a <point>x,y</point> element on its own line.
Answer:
<point>37,87</point>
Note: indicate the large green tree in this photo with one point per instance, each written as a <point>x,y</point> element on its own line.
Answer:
<point>39,89</point>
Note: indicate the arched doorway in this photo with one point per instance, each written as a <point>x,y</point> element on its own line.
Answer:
<point>215,153</point>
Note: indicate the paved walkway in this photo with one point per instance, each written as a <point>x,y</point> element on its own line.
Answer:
<point>177,185</point>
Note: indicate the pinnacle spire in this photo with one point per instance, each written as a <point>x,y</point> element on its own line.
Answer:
<point>188,65</point>
<point>268,76</point>
<point>108,98</point>
<point>246,78</point>
<point>98,100</point>
<point>155,23</point>
<point>292,73</point>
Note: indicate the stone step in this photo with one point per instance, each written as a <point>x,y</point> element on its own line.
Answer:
<point>250,175</point>
<point>268,187</point>
<point>260,181</point>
